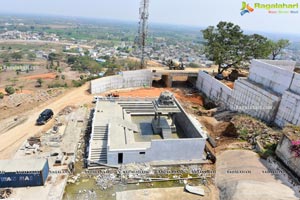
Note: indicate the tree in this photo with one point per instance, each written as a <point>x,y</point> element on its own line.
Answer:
<point>71,60</point>
<point>17,55</point>
<point>277,47</point>
<point>259,46</point>
<point>21,88</point>
<point>54,56</point>
<point>31,56</point>
<point>39,82</point>
<point>228,47</point>
<point>9,90</point>
<point>1,95</point>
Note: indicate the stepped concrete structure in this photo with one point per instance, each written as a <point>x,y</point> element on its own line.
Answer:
<point>122,133</point>
<point>270,92</point>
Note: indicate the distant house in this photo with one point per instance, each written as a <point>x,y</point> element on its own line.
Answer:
<point>100,60</point>
<point>67,48</point>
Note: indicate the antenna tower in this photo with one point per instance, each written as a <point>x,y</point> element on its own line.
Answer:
<point>143,28</point>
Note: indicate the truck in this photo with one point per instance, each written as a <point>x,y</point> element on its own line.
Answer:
<point>175,65</point>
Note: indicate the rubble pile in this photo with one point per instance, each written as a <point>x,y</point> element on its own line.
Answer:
<point>67,110</point>
<point>105,181</point>
<point>18,99</point>
<point>135,171</point>
<point>5,193</point>
<point>253,131</point>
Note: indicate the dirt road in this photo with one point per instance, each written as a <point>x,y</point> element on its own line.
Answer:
<point>12,139</point>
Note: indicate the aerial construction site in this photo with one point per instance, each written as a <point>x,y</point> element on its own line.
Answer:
<point>100,110</point>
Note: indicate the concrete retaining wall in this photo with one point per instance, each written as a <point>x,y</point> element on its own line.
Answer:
<point>260,94</point>
<point>213,88</point>
<point>295,86</point>
<point>164,150</point>
<point>284,153</point>
<point>188,124</point>
<point>128,79</point>
<point>270,76</point>
<point>283,64</point>
<point>249,98</point>
<point>289,109</point>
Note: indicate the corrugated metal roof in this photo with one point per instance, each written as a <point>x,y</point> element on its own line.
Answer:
<point>22,165</point>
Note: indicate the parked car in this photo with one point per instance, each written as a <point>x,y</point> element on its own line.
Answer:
<point>45,116</point>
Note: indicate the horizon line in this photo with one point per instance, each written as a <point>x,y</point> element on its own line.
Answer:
<point>132,21</point>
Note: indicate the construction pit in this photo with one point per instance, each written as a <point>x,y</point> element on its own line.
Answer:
<point>107,182</point>
<point>139,130</point>
<point>105,179</point>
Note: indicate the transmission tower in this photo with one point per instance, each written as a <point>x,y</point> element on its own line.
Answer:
<point>143,28</point>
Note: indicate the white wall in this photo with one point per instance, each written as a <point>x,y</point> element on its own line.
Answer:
<point>270,76</point>
<point>254,100</point>
<point>213,88</point>
<point>271,92</point>
<point>284,64</point>
<point>128,79</point>
<point>289,109</point>
<point>295,86</point>
<point>162,150</point>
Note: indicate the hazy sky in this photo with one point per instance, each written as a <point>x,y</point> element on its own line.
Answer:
<point>188,12</point>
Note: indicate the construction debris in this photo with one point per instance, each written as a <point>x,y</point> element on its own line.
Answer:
<point>253,131</point>
<point>194,190</point>
<point>5,193</point>
<point>105,181</point>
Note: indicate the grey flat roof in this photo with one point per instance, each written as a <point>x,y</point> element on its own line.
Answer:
<point>121,128</point>
<point>110,112</point>
<point>24,165</point>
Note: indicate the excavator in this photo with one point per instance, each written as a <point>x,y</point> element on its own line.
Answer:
<point>175,65</point>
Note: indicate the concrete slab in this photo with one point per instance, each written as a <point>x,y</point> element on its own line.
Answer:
<point>176,193</point>
<point>249,179</point>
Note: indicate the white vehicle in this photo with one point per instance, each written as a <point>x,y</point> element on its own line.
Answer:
<point>97,98</point>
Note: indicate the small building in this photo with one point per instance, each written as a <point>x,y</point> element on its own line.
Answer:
<point>133,130</point>
<point>23,172</point>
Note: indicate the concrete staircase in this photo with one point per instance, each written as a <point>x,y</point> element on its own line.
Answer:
<point>98,154</point>
<point>138,107</point>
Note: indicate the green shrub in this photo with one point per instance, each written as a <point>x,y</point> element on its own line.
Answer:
<point>58,85</point>
<point>9,90</point>
<point>78,83</point>
<point>1,95</point>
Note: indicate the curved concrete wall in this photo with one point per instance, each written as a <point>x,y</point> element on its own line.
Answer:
<point>128,79</point>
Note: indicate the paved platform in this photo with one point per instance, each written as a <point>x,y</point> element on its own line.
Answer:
<point>175,193</point>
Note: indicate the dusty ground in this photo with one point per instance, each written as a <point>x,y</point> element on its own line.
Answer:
<point>42,76</point>
<point>15,136</point>
<point>175,193</point>
<point>180,94</point>
<point>248,180</point>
